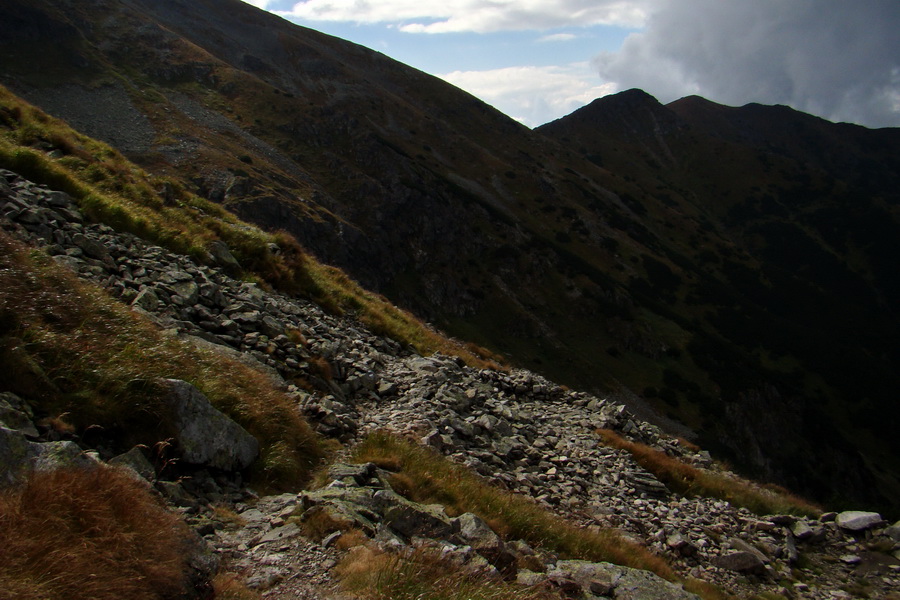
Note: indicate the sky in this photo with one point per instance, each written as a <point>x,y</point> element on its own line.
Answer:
<point>539,60</point>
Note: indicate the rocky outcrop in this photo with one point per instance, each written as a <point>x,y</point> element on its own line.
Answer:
<point>205,435</point>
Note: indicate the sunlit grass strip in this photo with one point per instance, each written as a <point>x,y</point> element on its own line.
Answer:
<point>428,477</point>
<point>375,575</point>
<point>91,347</point>
<point>691,481</point>
<point>95,534</point>
<point>376,312</point>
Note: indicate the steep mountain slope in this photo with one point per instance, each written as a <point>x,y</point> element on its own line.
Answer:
<point>588,261</point>
<point>811,294</point>
<point>425,193</point>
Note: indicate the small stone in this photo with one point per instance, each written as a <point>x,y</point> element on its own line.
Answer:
<point>801,530</point>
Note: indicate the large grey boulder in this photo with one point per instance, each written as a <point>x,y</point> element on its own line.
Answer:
<point>605,580</point>
<point>135,460</point>
<point>18,456</point>
<point>16,414</point>
<point>476,533</point>
<point>481,538</point>
<point>222,256</point>
<point>205,435</point>
<point>410,519</point>
<point>857,520</point>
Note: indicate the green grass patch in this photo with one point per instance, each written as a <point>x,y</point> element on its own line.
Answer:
<point>688,480</point>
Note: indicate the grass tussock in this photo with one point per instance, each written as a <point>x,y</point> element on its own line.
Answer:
<point>94,534</point>
<point>428,477</point>
<point>74,351</point>
<point>422,576</point>
<point>228,586</point>
<point>111,190</point>
<point>691,481</point>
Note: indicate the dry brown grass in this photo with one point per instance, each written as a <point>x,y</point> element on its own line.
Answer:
<point>95,535</point>
<point>318,524</point>
<point>691,481</point>
<point>351,539</point>
<point>319,365</point>
<point>228,586</point>
<point>375,575</point>
<point>428,477</point>
<point>228,516</point>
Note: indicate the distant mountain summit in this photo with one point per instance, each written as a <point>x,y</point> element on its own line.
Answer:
<point>732,268</point>
<point>630,113</point>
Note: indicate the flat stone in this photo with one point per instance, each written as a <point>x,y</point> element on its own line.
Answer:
<point>410,519</point>
<point>740,562</point>
<point>621,583</point>
<point>279,534</point>
<point>856,520</point>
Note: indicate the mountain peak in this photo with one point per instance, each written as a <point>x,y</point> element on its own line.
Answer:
<point>633,113</point>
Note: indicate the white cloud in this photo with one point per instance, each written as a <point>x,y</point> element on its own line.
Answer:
<point>533,95</point>
<point>833,58</point>
<point>558,37</point>
<point>263,4</point>
<point>481,16</point>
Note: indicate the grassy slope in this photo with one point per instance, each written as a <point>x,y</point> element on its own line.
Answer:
<point>112,190</point>
<point>65,326</point>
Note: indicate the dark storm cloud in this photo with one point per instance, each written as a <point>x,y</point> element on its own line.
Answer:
<point>834,58</point>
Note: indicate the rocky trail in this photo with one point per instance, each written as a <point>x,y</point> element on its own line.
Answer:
<point>524,433</point>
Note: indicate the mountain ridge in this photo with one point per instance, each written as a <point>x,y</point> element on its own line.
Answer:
<point>602,263</point>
